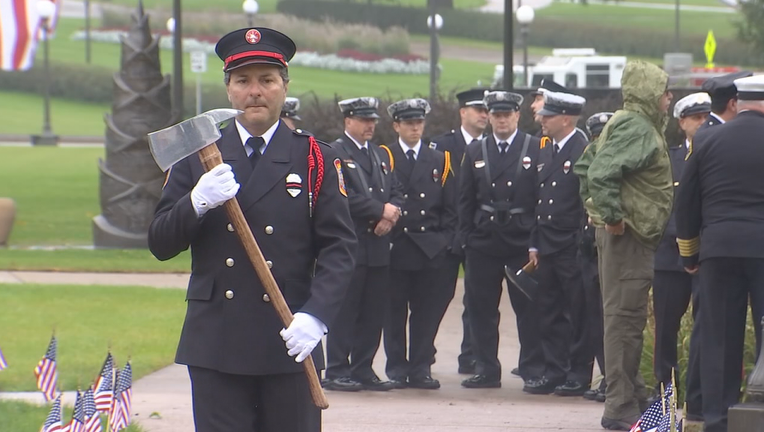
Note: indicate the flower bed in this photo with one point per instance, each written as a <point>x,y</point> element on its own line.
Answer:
<point>346,60</point>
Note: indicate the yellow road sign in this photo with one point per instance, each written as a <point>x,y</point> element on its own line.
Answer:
<point>710,48</point>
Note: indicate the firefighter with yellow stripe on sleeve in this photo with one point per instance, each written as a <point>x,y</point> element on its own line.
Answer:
<point>420,242</point>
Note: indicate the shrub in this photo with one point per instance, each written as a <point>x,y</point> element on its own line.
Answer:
<point>322,36</point>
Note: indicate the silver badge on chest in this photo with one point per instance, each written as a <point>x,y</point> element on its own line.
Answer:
<point>294,184</point>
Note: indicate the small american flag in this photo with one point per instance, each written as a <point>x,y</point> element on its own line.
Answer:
<point>53,422</point>
<point>77,423</point>
<point>3,363</point>
<point>665,425</point>
<point>46,373</point>
<point>92,419</point>
<point>123,400</point>
<point>104,386</point>
<point>651,419</point>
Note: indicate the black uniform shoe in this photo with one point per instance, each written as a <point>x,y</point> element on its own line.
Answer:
<point>590,394</point>
<point>342,384</point>
<point>482,381</point>
<point>425,382</point>
<point>515,372</point>
<point>600,396</point>
<point>399,383</point>
<point>570,388</point>
<point>467,368</point>
<point>617,424</point>
<point>540,386</point>
<point>376,384</point>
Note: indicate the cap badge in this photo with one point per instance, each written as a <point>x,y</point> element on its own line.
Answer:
<point>294,184</point>
<point>566,167</point>
<point>526,162</point>
<point>253,36</point>
<point>603,118</point>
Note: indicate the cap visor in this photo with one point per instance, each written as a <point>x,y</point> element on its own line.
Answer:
<point>254,61</point>
<point>547,113</point>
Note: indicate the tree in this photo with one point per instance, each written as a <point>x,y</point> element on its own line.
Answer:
<point>751,28</point>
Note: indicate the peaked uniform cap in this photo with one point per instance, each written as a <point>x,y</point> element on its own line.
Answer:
<point>365,107</point>
<point>290,108</point>
<point>562,104</point>
<point>548,85</point>
<point>723,87</point>
<point>596,122</point>
<point>751,88</point>
<point>502,101</point>
<point>409,109</point>
<point>472,97</point>
<point>696,103</point>
<point>256,45</point>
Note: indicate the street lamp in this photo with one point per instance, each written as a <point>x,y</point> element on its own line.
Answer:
<point>250,8</point>
<point>45,9</point>
<point>525,15</point>
<point>509,41</point>
<point>177,61</point>
<point>434,50</point>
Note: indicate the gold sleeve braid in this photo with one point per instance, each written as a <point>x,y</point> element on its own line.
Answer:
<point>688,248</point>
<point>390,155</point>
<point>446,168</point>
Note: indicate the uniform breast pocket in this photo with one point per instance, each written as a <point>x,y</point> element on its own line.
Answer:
<point>296,292</point>
<point>200,287</point>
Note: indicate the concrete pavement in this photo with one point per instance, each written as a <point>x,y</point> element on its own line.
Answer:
<point>162,401</point>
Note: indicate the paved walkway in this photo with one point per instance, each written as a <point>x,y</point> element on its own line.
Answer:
<point>162,402</point>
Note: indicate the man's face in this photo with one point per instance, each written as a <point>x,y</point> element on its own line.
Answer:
<point>360,127</point>
<point>665,101</point>
<point>259,91</point>
<point>552,125</point>
<point>474,117</point>
<point>504,123</point>
<point>536,105</point>
<point>410,131</point>
<point>690,124</point>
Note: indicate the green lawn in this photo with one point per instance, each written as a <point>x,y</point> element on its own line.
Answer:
<point>137,322</point>
<point>22,114</point>
<point>658,19</point>
<point>268,6</point>
<point>57,208</point>
<point>23,417</point>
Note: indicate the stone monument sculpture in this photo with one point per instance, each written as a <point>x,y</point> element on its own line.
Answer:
<point>130,181</point>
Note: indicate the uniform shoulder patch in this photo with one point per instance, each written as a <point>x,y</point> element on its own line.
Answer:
<point>301,132</point>
<point>340,177</point>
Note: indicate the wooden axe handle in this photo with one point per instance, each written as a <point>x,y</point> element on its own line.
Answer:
<point>529,268</point>
<point>211,157</point>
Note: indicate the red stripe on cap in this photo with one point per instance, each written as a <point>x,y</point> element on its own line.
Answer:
<point>244,54</point>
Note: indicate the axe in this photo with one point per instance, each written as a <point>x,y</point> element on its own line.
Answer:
<point>522,279</point>
<point>199,135</point>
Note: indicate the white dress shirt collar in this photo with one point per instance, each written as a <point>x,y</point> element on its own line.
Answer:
<point>467,137</point>
<point>563,141</point>
<point>245,135</point>
<point>721,120</point>
<point>508,140</point>
<point>359,145</point>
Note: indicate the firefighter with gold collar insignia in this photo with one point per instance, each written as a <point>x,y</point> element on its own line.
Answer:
<point>421,239</point>
<point>720,231</point>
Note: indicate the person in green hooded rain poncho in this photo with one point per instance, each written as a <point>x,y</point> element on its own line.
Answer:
<point>626,185</point>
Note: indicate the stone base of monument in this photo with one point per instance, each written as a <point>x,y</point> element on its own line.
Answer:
<point>106,235</point>
<point>692,426</point>
<point>7,216</point>
<point>45,140</point>
<point>746,417</point>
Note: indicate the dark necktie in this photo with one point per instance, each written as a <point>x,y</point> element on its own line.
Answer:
<point>503,146</point>
<point>556,148</point>
<point>474,140</point>
<point>255,143</point>
<point>365,151</point>
<point>412,160</point>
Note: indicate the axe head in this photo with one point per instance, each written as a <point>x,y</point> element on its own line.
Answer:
<point>174,143</point>
<point>523,281</point>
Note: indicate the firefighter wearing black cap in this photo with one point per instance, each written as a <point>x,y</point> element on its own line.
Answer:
<point>473,116</point>
<point>720,232</point>
<point>496,201</point>
<point>723,98</point>
<point>375,198</point>
<point>587,258</point>
<point>243,366</point>
<point>421,239</point>
<point>554,248</point>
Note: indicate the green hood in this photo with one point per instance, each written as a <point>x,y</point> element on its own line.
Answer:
<point>643,84</point>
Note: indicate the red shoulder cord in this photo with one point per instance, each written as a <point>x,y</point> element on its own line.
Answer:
<point>315,161</point>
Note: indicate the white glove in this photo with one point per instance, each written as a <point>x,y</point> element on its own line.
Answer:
<point>303,335</point>
<point>213,189</point>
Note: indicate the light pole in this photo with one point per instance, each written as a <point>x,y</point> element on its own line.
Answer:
<point>250,7</point>
<point>676,26</point>
<point>509,41</point>
<point>45,9</point>
<point>434,49</point>
<point>525,15</point>
<point>87,31</point>
<point>177,61</point>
